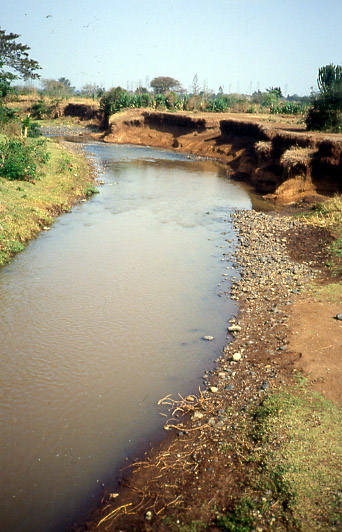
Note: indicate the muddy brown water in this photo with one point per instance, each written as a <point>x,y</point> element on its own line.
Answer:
<point>101,317</point>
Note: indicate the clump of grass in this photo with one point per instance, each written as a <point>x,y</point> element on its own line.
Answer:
<point>27,207</point>
<point>263,148</point>
<point>296,156</point>
<point>327,214</point>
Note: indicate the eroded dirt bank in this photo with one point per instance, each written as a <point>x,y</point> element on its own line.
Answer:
<point>197,471</point>
<point>282,161</point>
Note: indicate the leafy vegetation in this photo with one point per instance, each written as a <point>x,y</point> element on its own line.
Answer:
<point>325,113</point>
<point>14,55</point>
<point>19,159</point>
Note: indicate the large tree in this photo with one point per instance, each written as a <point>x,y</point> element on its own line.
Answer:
<point>58,88</point>
<point>14,56</point>
<point>162,84</point>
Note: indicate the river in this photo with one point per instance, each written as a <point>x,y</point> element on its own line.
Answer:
<point>102,316</point>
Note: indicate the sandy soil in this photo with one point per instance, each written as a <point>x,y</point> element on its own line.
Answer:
<point>317,338</point>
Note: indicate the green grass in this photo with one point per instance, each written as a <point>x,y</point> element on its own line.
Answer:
<point>330,293</point>
<point>176,526</point>
<point>295,463</point>
<point>27,207</point>
<point>328,215</point>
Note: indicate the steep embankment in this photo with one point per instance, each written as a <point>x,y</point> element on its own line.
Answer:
<point>284,164</point>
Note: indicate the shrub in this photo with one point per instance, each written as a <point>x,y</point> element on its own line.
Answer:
<point>113,101</point>
<point>289,108</point>
<point>34,130</point>
<point>326,109</point>
<point>41,109</point>
<point>18,159</point>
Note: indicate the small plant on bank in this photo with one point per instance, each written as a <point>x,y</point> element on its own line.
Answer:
<point>89,191</point>
<point>41,109</point>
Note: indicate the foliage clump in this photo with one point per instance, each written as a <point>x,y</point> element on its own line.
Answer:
<point>325,113</point>
<point>19,158</point>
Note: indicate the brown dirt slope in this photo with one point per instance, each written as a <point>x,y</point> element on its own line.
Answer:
<point>280,159</point>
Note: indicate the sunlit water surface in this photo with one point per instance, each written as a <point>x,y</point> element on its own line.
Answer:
<point>101,317</point>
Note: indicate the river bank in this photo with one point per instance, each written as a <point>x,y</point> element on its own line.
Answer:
<point>278,157</point>
<point>205,475</point>
<point>242,453</point>
<point>28,207</point>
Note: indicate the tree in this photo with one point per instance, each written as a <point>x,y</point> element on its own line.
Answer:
<point>325,112</point>
<point>195,86</point>
<point>162,84</point>
<point>92,90</point>
<point>67,85</point>
<point>14,56</point>
<point>276,91</point>
<point>329,78</point>
<point>60,88</point>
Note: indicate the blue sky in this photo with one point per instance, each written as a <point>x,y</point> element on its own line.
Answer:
<point>241,45</point>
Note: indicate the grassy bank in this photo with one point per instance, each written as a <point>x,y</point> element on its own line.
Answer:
<point>27,207</point>
<point>291,446</point>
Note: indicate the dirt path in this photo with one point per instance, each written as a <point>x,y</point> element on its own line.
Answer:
<point>317,338</point>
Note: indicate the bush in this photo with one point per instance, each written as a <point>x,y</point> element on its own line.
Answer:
<point>113,101</point>
<point>41,109</point>
<point>289,108</point>
<point>34,130</point>
<point>326,113</point>
<point>6,114</point>
<point>18,159</point>
<point>326,109</point>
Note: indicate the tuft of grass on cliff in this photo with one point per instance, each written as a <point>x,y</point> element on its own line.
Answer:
<point>26,207</point>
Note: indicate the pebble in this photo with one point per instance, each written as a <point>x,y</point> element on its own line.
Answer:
<point>338,317</point>
<point>208,338</point>
<point>197,415</point>
<point>213,389</point>
<point>236,357</point>
<point>234,328</point>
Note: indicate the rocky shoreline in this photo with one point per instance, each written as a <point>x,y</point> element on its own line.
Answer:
<point>195,471</point>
